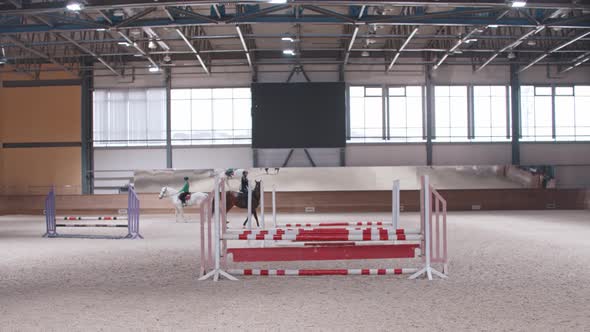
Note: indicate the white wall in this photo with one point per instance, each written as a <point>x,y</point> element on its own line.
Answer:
<point>555,153</point>
<point>212,157</point>
<point>472,154</point>
<point>466,75</point>
<point>129,159</point>
<point>385,154</point>
<point>573,176</point>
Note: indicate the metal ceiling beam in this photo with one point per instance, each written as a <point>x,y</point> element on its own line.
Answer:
<point>456,46</point>
<point>577,62</point>
<point>139,49</point>
<point>47,7</point>
<point>244,46</point>
<point>568,20</point>
<point>135,17</point>
<point>40,54</point>
<point>451,13</point>
<point>307,19</point>
<point>105,16</point>
<point>362,11</point>
<point>17,3</point>
<point>511,46</point>
<point>192,48</point>
<point>356,30</point>
<point>312,35</point>
<point>169,14</point>
<point>189,13</point>
<point>43,20</point>
<point>87,50</point>
<point>76,21</point>
<point>259,13</point>
<point>329,13</point>
<point>556,48</point>
<point>216,9</point>
<point>396,56</point>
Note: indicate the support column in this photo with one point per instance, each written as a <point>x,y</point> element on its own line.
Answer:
<point>87,151</point>
<point>168,74</point>
<point>515,102</point>
<point>429,98</point>
<point>470,113</point>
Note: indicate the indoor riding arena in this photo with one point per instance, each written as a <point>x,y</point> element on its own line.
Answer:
<point>294,165</point>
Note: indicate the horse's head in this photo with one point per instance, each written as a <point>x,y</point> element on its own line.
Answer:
<point>163,192</point>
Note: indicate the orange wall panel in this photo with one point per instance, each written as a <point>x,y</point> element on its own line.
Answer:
<point>58,74</point>
<point>40,114</point>
<point>29,170</point>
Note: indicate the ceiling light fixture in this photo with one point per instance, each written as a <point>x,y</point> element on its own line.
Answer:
<point>154,69</point>
<point>119,13</point>
<point>101,29</point>
<point>365,53</point>
<point>492,26</point>
<point>122,43</point>
<point>289,39</point>
<point>152,45</point>
<point>288,52</point>
<point>74,6</point>
<point>511,55</point>
<point>278,1</point>
<point>518,3</point>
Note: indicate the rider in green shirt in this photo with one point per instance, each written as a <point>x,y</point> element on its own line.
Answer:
<point>184,191</point>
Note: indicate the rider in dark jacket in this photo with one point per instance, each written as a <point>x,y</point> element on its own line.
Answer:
<point>244,187</point>
<point>244,183</point>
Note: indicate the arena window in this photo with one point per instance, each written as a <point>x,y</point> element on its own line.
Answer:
<point>129,117</point>
<point>491,113</point>
<point>450,112</point>
<point>406,114</point>
<point>366,114</point>
<point>211,116</point>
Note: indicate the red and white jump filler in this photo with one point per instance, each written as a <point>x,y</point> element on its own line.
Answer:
<point>328,241</point>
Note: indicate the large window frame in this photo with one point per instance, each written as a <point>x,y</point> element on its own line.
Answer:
<point>496,132</point>
<point>565,119</point>
<point>211,116</point>
<point>386,130</point>
<point>453,113</point>
<point>129,117</point>
<point>372,129</point>
<point>408,122</point>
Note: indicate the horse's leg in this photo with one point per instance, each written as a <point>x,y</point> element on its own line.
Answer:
<point>256,217</point>
<point>182,213</point>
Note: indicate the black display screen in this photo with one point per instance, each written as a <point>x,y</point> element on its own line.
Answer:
<point>298,115</point>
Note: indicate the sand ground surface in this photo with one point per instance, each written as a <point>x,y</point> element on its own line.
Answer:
<point>509,271</point>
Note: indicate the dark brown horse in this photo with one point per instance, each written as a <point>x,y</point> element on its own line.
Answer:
<point>237,199</point>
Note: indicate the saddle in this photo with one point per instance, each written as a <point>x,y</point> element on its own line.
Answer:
<point>184,198</point>
<point>242,199</point>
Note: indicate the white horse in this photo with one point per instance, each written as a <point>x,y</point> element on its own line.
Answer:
<point>195,199</point>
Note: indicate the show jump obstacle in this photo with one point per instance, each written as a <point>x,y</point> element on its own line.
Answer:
<point>132,219</point>
<point>328,241</point>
